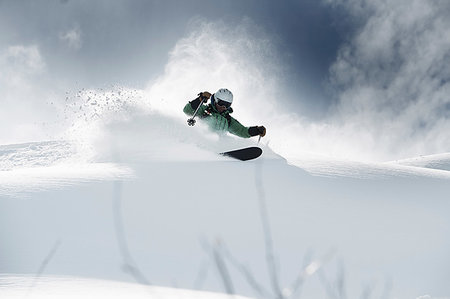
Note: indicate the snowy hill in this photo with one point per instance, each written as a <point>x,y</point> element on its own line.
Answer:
<point>149,201</point>
<point>438,161</point>
<point>436,166</point>
<point>70,287</point>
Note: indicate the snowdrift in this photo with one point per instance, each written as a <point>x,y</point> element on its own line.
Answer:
<point>146,199</point>
<point>77,288</point>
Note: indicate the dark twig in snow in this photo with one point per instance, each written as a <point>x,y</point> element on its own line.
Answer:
<point>387,289</point>
<point>270,258</point>
<point>201,276</point>
<point>129,265</point>
<point>309,268</point>
<point>245,271</point>
<point>337,288</point>
<point>367,291</point>
<point>43,265</point>
<point>340,281</point>
<point>326,284</point>
<point>221,266</point>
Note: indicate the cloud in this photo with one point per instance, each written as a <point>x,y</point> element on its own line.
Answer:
<point>20,62</point>
<point>25,58</point>
<point>23,94</point>
<point>392,78</point>
<point>72,38</point>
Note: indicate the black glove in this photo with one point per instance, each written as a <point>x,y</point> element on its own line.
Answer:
<point>262,131</point>
<point>254,131</point>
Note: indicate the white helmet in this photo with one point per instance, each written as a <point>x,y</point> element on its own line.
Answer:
<point>224,95</point>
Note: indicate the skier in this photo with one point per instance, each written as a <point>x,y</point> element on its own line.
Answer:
<point>217,114</point>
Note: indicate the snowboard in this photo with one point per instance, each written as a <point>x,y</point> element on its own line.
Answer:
<point>244,154</point>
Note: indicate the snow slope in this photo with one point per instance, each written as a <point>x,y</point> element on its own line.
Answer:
<point>438,161</point>
<point>70,287</point>
<point>50,164</point>
<point>147,200</point>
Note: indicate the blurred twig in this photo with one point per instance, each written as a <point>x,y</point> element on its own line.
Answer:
<point>201,276</point>
<point>336,289</point>
<point>367,291</point>
<point>245,271</point>
<point>340,281</point>
<point>308,268</point>
<point>129,265</point>
<point>43,265</point>
<point>326,284</point>
<point>216,252</point>
<point>387,288</point>
<point>221,266</point>
<point>270,257</point>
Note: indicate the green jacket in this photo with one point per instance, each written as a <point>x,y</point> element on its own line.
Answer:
<point>218,121</point>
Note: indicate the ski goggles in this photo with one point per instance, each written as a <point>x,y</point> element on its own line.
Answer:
<point>223,103</point>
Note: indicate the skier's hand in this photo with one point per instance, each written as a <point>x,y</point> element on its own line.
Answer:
<point>204,95</point>
<point>262,131</point>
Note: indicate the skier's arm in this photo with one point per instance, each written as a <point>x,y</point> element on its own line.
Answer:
<point>238,129</point>
<point>190,107</point>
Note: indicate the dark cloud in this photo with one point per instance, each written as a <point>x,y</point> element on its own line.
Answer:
<point>129,41</point>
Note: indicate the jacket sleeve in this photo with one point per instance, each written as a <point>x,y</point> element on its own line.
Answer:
<point>238,129</point>
<point>190,107</point>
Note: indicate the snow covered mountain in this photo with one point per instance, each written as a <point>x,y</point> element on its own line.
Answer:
<point>147,200</point>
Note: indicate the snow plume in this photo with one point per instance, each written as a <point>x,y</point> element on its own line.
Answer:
<point>149,123</point>
<point>121,124</point>
<point>87,113</point>
<point>241,58</point>
<point>215,55</point>
<point>392,78</point>
<point>244,60</point>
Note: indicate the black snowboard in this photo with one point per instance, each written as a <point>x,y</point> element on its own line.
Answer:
<point>244,154</point>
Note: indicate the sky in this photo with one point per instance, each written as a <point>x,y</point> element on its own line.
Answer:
<point>123,33</point>
<point>104,42</point>
<point>349,78</point>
